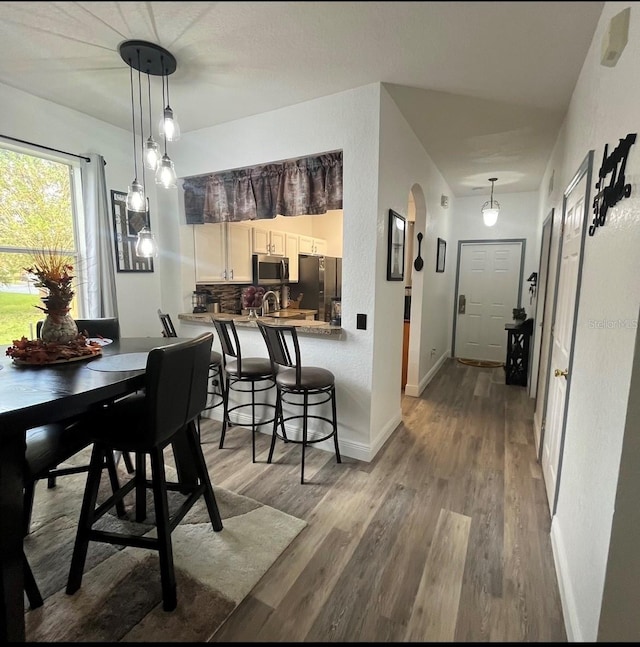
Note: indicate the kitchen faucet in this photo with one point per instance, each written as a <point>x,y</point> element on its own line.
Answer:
<point>265,302</point>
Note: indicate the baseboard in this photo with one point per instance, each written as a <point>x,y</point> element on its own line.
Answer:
<point>384,435</point>
<point>415,390</point>
<point>564,585</point>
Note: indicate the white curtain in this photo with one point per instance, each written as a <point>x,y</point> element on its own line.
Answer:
<point>100,288</point>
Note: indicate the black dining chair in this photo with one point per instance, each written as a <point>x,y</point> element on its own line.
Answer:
<point>299,386</point>
<point>243,374</point>
<point>145,424</point>
<point>101,327</point>
<point>215,391</point>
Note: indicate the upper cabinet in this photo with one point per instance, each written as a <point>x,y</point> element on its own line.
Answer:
<point>223,253</point>
<point>291,246</point>
<point>268,242</point>
<point>314,246</point>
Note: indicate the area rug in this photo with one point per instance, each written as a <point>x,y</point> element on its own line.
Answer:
<point>480,363</point>
<point>120,598</point>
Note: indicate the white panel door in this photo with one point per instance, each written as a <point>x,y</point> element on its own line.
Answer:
<point>562,336</point>
<point>488,287</point>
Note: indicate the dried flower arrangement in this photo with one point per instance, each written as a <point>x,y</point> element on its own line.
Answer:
<point>52,271</point>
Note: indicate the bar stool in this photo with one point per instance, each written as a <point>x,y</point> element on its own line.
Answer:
<point>240,372</point>
<point>215,389</point>
<point>295,381</point>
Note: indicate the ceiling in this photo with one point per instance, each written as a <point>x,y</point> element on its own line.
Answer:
<point>484,85</point>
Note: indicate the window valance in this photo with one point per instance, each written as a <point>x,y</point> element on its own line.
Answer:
<point>308,185</point>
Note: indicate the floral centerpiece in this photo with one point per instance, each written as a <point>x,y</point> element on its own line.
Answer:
<point>52,271</point>
<point>252,299</point>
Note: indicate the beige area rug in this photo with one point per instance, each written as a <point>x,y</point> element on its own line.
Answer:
<point>120,598</point>
<point>480,363</point>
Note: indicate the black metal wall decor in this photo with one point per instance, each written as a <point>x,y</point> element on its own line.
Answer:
<point>610,195</point>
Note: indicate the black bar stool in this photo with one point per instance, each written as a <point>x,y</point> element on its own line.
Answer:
<point>295,381</point>
<point>240,372</point>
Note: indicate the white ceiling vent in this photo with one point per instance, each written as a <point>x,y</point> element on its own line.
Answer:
<point>614,40</point>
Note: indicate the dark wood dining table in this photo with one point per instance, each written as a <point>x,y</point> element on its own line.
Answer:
<point>31,396</point>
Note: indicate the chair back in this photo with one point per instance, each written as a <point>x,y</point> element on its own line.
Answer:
<point>168,329</point>
<point>229,341</point>
<point>280,341</point>
<point>108,327</point>
<point>176,386</point>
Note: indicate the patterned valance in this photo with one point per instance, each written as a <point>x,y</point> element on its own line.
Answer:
<point>308,185</point>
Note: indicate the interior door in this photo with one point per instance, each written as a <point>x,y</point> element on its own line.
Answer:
<point>576,200</point>
<point>489,280</point>
<point>543,312</point>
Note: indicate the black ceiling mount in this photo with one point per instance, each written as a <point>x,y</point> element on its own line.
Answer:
<point>154,59</point>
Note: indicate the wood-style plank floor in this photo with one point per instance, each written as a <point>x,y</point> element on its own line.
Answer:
<point>444,536</point>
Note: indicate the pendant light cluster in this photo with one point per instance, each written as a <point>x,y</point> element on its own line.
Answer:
<point>491,208</point>
<point>152,60</point>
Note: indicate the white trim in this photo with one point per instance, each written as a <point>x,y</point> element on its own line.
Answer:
<point>415,391</point>
<point>382,437</point>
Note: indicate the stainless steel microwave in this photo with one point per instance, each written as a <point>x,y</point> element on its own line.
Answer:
<point>270,270</point>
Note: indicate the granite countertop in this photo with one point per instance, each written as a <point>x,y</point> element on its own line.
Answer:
<point>320,328</point>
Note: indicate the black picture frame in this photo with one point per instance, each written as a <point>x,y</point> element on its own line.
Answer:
<point>442,252</point>
<point>395,246</point>
<point>126,225</point>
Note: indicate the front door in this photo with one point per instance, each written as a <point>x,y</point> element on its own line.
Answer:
<point>489,284</point>
<point>576,199</point>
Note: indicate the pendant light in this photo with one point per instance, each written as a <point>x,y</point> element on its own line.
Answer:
<point>152,60</point>
<point>168,127</point>
<point>491,208</point>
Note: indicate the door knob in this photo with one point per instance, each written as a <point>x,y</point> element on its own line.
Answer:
<point>462,304</point>
<point>559,373</point>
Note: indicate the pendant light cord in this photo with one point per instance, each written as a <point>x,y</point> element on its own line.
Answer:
<point>133,120</point>
<point>149,87</point>
<point>164,134</point>
<point>141,120</point>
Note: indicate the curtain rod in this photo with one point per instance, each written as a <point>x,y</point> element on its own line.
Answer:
<point>55,150</point>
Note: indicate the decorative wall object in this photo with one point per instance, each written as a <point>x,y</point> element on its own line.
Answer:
<point>395,247</point>
<point>442,252</point>
<point>418,264</point>
<point>610,195</point>
<point>126,225</point>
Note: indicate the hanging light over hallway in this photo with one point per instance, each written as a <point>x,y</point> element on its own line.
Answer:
<point>491,208</point>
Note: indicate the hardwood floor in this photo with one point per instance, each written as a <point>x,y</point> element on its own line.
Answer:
<point>443,537</point>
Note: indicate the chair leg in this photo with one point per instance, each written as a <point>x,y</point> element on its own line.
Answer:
<point>277,416</point>
<point>167,572</point>
<point>141,487</point>
<point>304,431</point>
<point>27,505</point>
<point>110,463</point>
<point>203,473</point>
<point>51,482</point>
<point>30,585</point>
<point>253,421</point>
<point>128,463</point>
<point>335,425</point>
<point>86,518</point>
<point>225,413</point>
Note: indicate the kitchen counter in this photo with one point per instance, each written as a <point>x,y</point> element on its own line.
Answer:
<point>320,328</point>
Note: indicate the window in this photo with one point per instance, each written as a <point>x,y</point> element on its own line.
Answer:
<point>37,211</point>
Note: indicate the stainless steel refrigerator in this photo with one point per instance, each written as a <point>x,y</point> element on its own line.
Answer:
<point>320,281</point>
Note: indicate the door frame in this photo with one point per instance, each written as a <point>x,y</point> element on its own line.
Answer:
<point>488,241</point>
<point>548,222</point>
<point>585,168</point>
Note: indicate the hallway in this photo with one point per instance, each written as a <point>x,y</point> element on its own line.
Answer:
<point>443,537</point>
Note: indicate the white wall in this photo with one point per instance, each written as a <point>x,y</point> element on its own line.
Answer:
<point>30,118</point>
<point>603,109</point>
<point>403,164</point>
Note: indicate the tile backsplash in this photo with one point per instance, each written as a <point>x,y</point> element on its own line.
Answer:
<point>230,296</point>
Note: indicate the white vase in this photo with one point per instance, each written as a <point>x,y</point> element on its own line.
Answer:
<point>58,328</point>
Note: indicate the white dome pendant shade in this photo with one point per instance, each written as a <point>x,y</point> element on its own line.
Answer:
<point>491,208</point>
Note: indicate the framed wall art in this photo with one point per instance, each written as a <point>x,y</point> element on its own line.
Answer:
<point>395,249</point>
<point>126,225</point>
<point>442,251</point>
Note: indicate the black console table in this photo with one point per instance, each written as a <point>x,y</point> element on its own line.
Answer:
<point>517,364</point>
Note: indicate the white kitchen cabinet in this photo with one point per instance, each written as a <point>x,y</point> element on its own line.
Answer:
<point>314,246</point>
<point>291,246</point>
<point>268,242</point>
<point>223,253</point>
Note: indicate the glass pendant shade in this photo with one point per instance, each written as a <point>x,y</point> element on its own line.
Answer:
<point>146,246</point>
<point>169,127</point>
<point>151,154</point>
<point>166,175</point>
<point>490,213</point>
<point>135,198</point>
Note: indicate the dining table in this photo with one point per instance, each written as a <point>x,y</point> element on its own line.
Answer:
<point>35,395</point>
